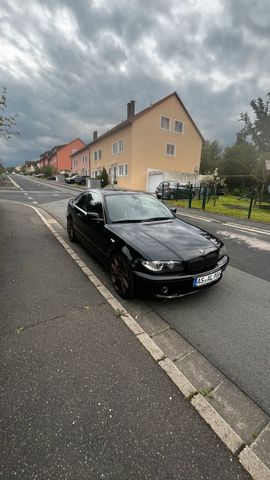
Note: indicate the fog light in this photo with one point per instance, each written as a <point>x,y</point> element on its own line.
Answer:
<point>164,290</point>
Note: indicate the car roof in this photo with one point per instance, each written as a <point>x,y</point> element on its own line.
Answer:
<point>114,191</point>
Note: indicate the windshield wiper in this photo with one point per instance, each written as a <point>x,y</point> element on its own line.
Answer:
<point>127,220</point>
<point>154,219</point>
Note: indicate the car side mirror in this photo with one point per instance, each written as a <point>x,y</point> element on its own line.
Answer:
<point>173,210</point>
<point>94,216</point>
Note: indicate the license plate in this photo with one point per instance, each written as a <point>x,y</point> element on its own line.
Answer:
<point>212,277</point>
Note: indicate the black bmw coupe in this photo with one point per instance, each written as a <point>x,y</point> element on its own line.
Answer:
<point>147,248</point>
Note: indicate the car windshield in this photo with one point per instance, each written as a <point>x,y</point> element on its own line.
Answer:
<point>134,207</point>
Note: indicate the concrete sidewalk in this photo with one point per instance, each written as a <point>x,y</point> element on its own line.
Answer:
<point>80,397</point>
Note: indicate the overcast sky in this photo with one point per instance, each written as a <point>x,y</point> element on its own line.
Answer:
<point>70,66</point>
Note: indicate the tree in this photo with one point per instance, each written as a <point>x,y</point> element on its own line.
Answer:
<point>2,169</point>
<point>103,177</point>
<point>49,171</point>
<point>210,156</point>
<point>7,124</point>
<point>239,163</point>
<point>257,130</point>
<point>240,159</point>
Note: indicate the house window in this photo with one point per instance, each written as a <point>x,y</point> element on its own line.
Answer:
<point>178,126</point>
<point>170,149</point>
<point>118,147</point>
<point>122,170</point>
<point>97,154</point>
<point>164,122</point>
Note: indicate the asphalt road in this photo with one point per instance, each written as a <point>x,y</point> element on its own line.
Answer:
<point>32,191</point>
<point>80,398</point>
<point>229,323</point>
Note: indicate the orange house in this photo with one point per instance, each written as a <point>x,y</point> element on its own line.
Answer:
<point>59,156</point>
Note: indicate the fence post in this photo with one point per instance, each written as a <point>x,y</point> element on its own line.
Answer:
<point>250,203</point>
<point>162,192</point>
<point>204,197</point>
<point>190,196</point>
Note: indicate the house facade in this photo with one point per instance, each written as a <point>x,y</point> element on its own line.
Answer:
<point>59,157</point>
<point>80,161</point>
<point>161,137</point>
<point>30,166</point>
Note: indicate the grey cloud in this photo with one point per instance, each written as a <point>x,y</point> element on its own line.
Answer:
<point>77,84</point>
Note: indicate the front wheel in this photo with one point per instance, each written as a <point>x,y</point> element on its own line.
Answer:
<point>70,230</point>
<point>121,276</point>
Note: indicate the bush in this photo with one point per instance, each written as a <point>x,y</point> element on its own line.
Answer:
<point>103,177</point>
<point>48,171</point>
<point>236,192</point>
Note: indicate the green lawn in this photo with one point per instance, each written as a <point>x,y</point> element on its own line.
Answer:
<point>231,206</point>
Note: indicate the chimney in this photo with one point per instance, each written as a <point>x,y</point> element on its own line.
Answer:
<point>132,108</point>
<point>128,109</point>
<point>94,135</point>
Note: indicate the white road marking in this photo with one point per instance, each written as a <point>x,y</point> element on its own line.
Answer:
<point>30,198</point>
<point>35,202</point>
<point>13,181</point>
<point>195,216</point>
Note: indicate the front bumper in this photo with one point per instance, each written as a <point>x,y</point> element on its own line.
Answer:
<point>169,286</point>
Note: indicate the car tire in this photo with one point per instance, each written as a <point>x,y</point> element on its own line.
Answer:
<point>171,196</point>
<point>122,277</point>
<point>70,230</point>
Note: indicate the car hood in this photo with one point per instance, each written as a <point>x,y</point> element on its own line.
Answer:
<point>165,240</point>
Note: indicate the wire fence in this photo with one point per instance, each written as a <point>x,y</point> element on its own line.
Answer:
<point>218,200</point>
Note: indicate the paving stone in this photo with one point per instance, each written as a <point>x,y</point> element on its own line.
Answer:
<point>199,371</point>
<point>136,307</point>
<point>152,323</point>
<point>261,446</point>
<point>238,410</point>
<point>172,344</point>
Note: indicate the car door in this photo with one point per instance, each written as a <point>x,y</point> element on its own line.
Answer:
<point>78,214</point>
<point>93,228</point>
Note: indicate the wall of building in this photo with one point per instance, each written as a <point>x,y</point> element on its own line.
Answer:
<point>81,163</point>
<point>149,141</point>
<point>113,161</point>
<point>64,154</point>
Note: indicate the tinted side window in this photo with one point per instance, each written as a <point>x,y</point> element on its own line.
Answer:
<point>93,204</point>
<point>80,202</point>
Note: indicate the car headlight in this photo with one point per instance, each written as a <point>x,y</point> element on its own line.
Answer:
<point>222,252</point>
<point>158,266</point>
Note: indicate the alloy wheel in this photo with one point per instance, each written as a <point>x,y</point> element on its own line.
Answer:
<point>122,277</point>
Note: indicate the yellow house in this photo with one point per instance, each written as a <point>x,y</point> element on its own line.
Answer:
<point>162,137</point>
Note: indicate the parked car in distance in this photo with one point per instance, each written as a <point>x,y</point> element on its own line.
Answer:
<point>146,247</point>
<point>76,179</point>
<point>173,190</point>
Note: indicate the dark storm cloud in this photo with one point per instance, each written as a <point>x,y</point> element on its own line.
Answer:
<point>71,67</point>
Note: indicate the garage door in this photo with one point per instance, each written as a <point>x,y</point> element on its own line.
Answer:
<point>154,180</point>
